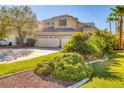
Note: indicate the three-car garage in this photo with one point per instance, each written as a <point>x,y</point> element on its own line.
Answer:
<point>51,41</point>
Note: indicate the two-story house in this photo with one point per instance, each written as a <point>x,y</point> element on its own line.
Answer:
<point>58,30</point>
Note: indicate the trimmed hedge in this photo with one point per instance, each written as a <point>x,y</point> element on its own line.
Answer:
<point>44,68</point>
<point>66,66</point>
<point>30,42</point>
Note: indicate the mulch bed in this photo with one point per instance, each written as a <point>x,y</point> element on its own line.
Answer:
<point>28,79</point>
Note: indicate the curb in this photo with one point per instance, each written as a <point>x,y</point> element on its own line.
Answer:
<point>82,82</point>
<point>102,60</point>
<point>5,76</point>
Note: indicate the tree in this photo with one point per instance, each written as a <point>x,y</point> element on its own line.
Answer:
<point>109,20</point>
<point>112,18</point>
<point>19,19</point>
<point>2,31</point>
<point>23,21</point>
<point>4,22</point>
<point>119,11</point>
<point>115,18</point>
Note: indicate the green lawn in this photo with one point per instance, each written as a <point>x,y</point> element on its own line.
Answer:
<point>109,74</point>
<point>106,74</point>
<point>23,65</point>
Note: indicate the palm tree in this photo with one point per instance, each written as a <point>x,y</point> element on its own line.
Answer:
<point>119,12</point>
<point>115,19</point>
<point>109,20</point>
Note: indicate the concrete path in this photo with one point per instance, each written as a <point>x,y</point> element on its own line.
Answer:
<point>12,55</point>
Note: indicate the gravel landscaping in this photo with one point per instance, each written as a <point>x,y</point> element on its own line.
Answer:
<point>28,79</point>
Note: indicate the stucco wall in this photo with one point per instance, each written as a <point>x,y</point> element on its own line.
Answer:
<point>12,39</point>
<point>87,30</point>
<point>71,23</point>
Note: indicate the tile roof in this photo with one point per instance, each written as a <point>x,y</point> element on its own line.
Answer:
<point>59,30</point>
<point>89,26</point>
<point>60,17</point>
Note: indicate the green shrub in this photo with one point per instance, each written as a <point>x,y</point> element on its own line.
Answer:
<point>69,72</point>
<point>97,44</point>
<point>76,43</point>
<point>44,68</point>
<point>84,45</point>
<point>30,42</point>
<point>66,66</point>
<point>92,49</point>
<point>109,39</point>
<point>18,41</point>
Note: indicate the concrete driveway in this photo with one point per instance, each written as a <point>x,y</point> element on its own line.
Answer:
<point>11,54</point>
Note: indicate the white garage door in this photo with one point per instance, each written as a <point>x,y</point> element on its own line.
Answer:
<point>64,40</point>
<point>48,42</point>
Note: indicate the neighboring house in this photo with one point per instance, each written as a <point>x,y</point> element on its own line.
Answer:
<point>57,31</point>
<point>11,38</point>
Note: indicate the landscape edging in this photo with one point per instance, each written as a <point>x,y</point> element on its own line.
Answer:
<point>79,83</point>
<point>5,76</point>
<point>83,81</point>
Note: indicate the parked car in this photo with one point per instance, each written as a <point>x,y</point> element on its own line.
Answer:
<point>4,43</point>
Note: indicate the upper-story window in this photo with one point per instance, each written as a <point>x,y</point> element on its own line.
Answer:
<point>48,23</point>
<point>52,23</point>
<point>62,22</point>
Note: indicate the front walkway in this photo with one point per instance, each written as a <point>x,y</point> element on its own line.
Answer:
<point>18,54</point>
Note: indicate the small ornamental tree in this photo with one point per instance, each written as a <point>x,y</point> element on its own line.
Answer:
<point>23,21</point>
<point>18,19</point>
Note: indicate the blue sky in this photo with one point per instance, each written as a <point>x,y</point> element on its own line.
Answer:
<point>85,13</point>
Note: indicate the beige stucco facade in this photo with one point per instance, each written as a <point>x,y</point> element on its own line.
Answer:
<point>71,22</point>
